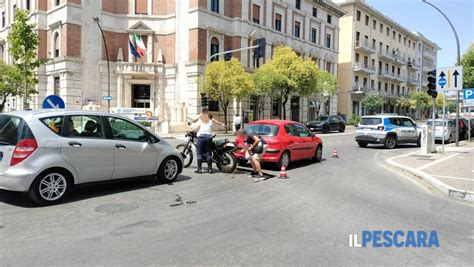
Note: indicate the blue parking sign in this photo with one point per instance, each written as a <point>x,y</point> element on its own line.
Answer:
<point>54,101</point>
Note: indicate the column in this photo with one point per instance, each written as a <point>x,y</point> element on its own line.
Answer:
<point>119,90</point>
<point>149,48</point>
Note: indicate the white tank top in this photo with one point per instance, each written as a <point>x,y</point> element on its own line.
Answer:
<point>205,128</point>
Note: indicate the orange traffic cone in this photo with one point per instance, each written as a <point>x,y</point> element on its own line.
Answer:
<point>283,172</point>
<point>334,153</point>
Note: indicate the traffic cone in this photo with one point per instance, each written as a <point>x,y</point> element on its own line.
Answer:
<point>283,172</point>
<point>334,153</point>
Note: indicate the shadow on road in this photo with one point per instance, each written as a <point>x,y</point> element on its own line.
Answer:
<point>401,146</point>
<point>86,191</point>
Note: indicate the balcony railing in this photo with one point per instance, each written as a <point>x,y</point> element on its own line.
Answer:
<point>386,55</point>
<point>413,80</point>
<point>367,68</point>
<point>413,65</point>
<point>365,46</point>
<point>400,77</point>
<point>386,75</point>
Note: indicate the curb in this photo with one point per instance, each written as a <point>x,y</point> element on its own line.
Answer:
<point>444,188</point>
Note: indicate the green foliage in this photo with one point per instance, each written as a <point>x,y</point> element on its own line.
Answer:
<point>467,63</point>
<point>354,120</point>
<point>24,41</point>
<point>326,87</point>
<point>11,81</point>
<point>372,102</point>
<point>145,123</point>
<point>285,74</point>
<point>226,80</point>
<point>420,101</point>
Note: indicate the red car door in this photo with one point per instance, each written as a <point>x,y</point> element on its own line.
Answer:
<point>293,143</point>
<point>307,144</point>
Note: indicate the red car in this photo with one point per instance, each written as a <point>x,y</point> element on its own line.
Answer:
<point>287,141</point>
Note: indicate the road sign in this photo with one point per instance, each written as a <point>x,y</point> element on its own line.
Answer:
<point>449,79</point>
<point>53,101</point>
<point>468,97</point>
<point>107,97</point>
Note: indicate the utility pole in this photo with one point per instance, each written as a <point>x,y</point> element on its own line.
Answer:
<point>457,64</point>
<point>97,20</point>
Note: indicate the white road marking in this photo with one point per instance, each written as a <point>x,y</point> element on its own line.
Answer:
<point>436,162</point>
<point>453,177</point>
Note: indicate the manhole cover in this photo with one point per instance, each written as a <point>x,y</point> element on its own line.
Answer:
<point>112,208</point>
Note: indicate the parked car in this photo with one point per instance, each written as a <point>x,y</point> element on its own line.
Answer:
<point>449,130</point>
<point>287,141</point>
<point>389,130</point>
<point>326,124</point>
<point>46,153</point>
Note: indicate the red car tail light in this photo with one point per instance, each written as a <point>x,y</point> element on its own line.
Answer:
<point>380,128</point>
<point>24,148</point>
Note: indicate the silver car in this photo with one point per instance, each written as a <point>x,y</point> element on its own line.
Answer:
<point>46,153</point>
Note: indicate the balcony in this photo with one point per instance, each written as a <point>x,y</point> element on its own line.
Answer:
<point>385,55</point>
<point>413,80</point>
<point>400,77</point>
<point>358,91</point>
<point>386,75</point>
<point>399,60</point>
<point>364,68</point>
<point>411,65</point>
<point>365,47</point>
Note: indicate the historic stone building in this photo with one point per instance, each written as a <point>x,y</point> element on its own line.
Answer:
<point>179,36</point>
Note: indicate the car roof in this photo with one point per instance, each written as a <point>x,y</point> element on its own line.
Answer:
<point>275,122</point>
<point>55,112</point>
<point>384,116</point>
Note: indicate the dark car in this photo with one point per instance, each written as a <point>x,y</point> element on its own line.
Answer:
<point>326,124</point>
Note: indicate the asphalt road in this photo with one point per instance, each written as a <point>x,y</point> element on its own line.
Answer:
<point>226,219</point>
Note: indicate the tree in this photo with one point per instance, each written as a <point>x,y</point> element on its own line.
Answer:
<point>264,79</point>
<point>326,87</point>
<point>287,73</point>
<point>467,63</point>
<point>439,101</point>
<point>225,81</point>
<point>10,83</point>
<point>372,102</point>
<point>23,41</point>
<point>420,101</point>
<point>403,104</point>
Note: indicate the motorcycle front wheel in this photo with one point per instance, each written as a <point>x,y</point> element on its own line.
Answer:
<point>228,162</point>
<point>187,154</point>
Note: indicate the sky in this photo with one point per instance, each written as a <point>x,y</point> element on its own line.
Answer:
<point>421,17</point>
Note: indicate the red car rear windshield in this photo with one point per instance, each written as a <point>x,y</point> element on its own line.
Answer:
<point>264,129</point>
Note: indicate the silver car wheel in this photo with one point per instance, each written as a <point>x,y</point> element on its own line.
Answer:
<point>285,160</point>
<point>171,169</point>
<point>52,186</point>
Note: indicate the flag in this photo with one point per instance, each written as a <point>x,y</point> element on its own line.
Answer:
<point>141,49</point>
<point>132,49</point>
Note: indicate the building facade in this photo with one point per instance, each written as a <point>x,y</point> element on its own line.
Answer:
<point>427,54</point>
<point>377,55</point>
<point>179,37</point>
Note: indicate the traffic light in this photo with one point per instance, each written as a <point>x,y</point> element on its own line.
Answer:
<point>260,50</point>
<point>204,100</point>
<point>227,56</point>
<point>432,84</point>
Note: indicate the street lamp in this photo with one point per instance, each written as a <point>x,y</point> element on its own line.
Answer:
<point>457,64</point>
<point>97,20</point>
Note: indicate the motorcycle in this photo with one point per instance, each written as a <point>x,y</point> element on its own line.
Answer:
<point>222,152</point>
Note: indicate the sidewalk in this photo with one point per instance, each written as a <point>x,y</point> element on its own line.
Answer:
<point>451,172</point>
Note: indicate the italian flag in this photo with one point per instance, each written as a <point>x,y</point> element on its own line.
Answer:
<point>140,46</point>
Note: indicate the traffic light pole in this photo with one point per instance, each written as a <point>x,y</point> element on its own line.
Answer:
<point>203,91</point>
<point>458,64</point>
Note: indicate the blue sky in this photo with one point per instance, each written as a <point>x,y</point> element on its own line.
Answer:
<point>418,16</point>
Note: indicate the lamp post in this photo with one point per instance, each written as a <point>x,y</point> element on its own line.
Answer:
<point>457,64</point>
<point>97,20</point>
<point>203,89</point>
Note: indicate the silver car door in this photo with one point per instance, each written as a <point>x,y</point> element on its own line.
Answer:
<point>134,154</point>
<point>85,147</point>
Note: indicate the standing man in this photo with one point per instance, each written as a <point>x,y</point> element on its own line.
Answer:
<point>237,122</point>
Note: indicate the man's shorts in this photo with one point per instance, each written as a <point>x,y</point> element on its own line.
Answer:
<point>257,156</point>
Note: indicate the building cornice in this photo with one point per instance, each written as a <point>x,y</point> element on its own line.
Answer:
<point>331,7</point>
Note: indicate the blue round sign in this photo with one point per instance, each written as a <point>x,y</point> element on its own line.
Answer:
<point>54,101</point>
<point>442,81</point>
